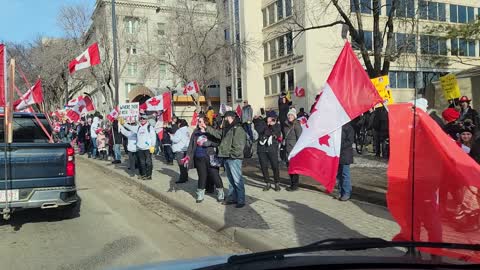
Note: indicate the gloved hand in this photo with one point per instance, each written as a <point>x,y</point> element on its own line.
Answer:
<point>152,150</point>
<point>121,121</point>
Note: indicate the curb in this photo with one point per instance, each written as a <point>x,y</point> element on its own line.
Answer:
<point>250,239</point>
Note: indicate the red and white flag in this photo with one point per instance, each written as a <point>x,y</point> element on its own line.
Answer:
<point>113,115</point>
<point>299,91</point>
<point>163,103</point>
<point>74,101</point>
<point>194,119</point>
<point>83,106</point>
<point>303,121</point>
<point>239,111</point>
<point>347,94</point>
<point>33,96</point>
<point>88,58</point>
<point>3,74</point>
<point>191,88</point>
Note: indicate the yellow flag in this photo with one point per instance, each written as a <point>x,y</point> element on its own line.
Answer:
<point>288,97</point>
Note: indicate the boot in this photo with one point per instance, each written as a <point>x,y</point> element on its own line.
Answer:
<point>277,187</point>
<point>200,195</point>
<point>220,195</point>
<point>267,187</point>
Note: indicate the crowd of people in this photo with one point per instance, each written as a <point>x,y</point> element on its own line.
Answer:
<point>224,140</point>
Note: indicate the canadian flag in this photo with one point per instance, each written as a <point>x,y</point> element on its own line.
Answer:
<point>88,58</point>
<point>83,106</point>
<point>191,88</point>
<point>347,94</point>
<point>303,121</point>
<point>239,111</point>
<point>299,91</point>
<point>194,119</point>
<point>163,103</point>
<point>74,101</point>
<point>113,115</point>
<point>3,74</point>
<point>33,96</point>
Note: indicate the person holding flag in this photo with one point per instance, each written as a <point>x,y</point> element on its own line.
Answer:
<point>346,158</point>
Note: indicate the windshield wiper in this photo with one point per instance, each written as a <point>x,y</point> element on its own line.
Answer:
<point>344,244</point>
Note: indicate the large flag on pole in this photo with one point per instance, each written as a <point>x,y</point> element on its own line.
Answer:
<point>33,96</point>
<point>83,106</point>
<point>191,88</point>
<point>347,93</point>
<point>433,185</point>
<point>88,58</point>
<point>3,72</point>
<point>163,103</point>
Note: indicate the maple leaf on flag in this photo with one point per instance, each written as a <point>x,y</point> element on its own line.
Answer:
<point>82,60</point>
<point>154,102</point>
<point>324,140</point>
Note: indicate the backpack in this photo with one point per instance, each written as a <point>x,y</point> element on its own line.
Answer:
<point>248,148</point>
<point>148,128</point>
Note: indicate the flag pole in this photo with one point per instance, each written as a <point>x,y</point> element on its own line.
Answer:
<point>115,61</point>
<point>8,131</point>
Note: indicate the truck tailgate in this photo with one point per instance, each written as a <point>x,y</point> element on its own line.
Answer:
<point>34,165</point>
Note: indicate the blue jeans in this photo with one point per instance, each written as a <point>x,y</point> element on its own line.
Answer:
<point>167,151</point>
<point>116,152</point>
<point>343,180</point>
<point>94,147</point>
<point>236,188</point>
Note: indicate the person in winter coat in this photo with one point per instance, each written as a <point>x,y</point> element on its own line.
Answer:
<point>346,158</point>
<point>180,141</point>
<point>93,128</point>
<point>146,140</point>
<point>283,108</point>
<point>450,116</point>
<point>233,140</point>
<point>102,144</point>
<point>82,136</point>
<point>167,144</point>
<point>117,142</point>
<point>292,132</point>
<point>380,128</point>
<point>466,132</point>
<point>302,113</point>
<point>131,145</point>
<point>202,155</point>
<point>247,117</point>
<point>475,150</point>
<point>467,112</point>
<point>269,134</point>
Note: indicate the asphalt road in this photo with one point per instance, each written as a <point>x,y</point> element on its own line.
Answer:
<point>118,225</point>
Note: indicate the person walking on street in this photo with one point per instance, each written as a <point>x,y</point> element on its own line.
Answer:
<point>467,112</point>
<point>247,117</point>
<point>146,140</point>
<point>292,131</point>
<point>233,140</point>
<point>93,133</point>
<point>269,134</point>
<point>202,155</point>
<point>131,145</point>
<point>346,158</point>
<point>180,141</point>
<point>117,142</point>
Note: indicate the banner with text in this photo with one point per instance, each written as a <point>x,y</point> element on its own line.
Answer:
<point>129,111</point>
<point>450,87</point>
<point>382,84</point>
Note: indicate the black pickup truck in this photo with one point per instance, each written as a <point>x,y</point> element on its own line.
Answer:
<point>39,174</point>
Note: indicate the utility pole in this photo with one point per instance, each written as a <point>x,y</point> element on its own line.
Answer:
<point>115,54</point>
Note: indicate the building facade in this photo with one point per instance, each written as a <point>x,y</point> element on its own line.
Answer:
<point>285,58</point>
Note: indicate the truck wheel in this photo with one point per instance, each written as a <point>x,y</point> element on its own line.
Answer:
<point>70,211</point>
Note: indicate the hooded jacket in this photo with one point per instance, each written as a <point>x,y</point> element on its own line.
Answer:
<point>131,138</point>
<point>95,125</point>
<point>180,140</point>
<point>146,136</point>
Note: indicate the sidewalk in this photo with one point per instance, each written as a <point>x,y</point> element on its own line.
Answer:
<point>271,220</point>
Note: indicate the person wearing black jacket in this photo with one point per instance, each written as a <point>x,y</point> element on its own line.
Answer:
<point>346,158</point>
<point>380,127</point>
<point>467,112</point>
<point>117,143</point>
<point>82,136</point>
<point>269,132</point>
<point>167,145</point>
<point>283,108</point>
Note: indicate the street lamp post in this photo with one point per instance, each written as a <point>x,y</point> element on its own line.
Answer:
<point>115,62</point>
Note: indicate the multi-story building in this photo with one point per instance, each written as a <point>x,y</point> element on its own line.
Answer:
<point>144,49</point>
<point>290,58</point>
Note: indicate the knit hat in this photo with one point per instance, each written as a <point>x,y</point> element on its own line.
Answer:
<point>293,112</point>
<point>272,114</point>
<point>230,113</point>
<point>450,115</point>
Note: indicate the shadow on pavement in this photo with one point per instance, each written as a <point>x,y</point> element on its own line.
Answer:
<point>245,217</point>
<point>18,219</point>
<point>187,187</point>
<point>372,210</point>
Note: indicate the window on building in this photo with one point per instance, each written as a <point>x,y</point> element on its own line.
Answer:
<point>368,39</point>
<point>281,46</point>
<point>267,86</point>
<point>129,87</point>
<point>291,80</point>
<point>265,52</point>
<point>289,40</point>
<point>162,68</point>
<point>131,50</point>
<point>132,69</point>
<point>279,10</point>
<point>239,88</point>
<point>227,34</point>
<point>160,29</point>
<point>405,43</point>
<point>463,47</point>
<point>433,45</point>
<point>402,79</point>
<point>274,84</point>
<point>365,6</point>
<point>131,24</point>
<point>273,50</point>
<point>405,8</point>
<point>461,14</point>
<point>271,14</point>
<point>265,18</point>
<point>288,8</point>
<point>442,14</point>
<point>283,81</point>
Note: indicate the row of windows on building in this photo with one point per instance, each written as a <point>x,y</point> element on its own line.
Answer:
<point>428,44</point>
<point>409,79</point>
<point>279,82</point>
<point>133,70</point>
<point>278,47</point>
<point>132,25</point>
<point>276,11</point>
<point>428,10</point>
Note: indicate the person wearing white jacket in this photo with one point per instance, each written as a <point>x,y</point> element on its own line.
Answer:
<point>146,140</point>
<point>131,146</point>
<point>93,134</point>
<point>180,141</point>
